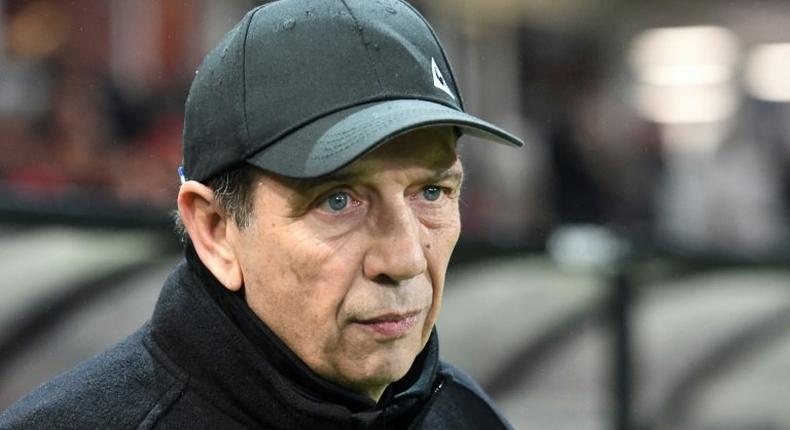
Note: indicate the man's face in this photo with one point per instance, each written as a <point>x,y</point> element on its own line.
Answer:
<point>348,269</point>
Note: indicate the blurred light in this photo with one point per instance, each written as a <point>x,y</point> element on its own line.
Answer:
<point>687,104</point>
<point>694,139</point>
<point>584,246</point>
<point>685,74</point>
<point>37,31</point>
<point>767,72</point>
<point>685,55</point>
<point>695,74</point>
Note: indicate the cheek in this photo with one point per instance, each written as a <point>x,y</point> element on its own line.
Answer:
<point>440,242</point>
<point>298,289</point>
<point>441,237</point>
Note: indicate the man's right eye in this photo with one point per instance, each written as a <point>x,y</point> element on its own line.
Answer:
<point>336,202</point>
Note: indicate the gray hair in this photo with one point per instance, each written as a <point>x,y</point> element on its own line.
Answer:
<point>233,195</point>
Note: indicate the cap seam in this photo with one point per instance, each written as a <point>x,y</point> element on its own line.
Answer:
<point>244,73</point>
<point>365,44</point>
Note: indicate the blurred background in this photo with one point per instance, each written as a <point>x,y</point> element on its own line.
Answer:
<point>627,270</point>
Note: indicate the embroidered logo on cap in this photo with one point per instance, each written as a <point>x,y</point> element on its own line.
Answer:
<point>438,79</point>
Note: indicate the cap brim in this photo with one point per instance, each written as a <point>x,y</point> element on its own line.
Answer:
<point>332,142</point>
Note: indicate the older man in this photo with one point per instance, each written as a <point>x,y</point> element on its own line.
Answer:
<point>320,200</point>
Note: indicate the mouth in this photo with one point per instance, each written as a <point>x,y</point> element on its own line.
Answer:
<point>390,326</point>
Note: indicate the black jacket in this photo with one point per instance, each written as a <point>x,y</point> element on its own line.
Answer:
<point>204,361</point>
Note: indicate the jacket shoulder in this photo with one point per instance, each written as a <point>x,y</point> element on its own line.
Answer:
<point>460,403</point>
<point>122,387</point>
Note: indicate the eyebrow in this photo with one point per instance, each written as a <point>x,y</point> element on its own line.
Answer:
<point>456,175</point>
<point>307,188</point>
<point>306,185</point>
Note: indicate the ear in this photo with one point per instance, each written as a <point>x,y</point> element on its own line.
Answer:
<point>208,229</point>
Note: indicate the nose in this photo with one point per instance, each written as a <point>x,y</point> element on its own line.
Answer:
<point>395,253</point>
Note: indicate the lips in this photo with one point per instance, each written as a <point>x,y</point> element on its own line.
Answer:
<point>390,326</point>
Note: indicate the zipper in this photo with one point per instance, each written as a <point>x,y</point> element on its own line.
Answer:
<point>434,395</point>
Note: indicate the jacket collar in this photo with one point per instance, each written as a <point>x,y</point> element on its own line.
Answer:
<point>236,361</point>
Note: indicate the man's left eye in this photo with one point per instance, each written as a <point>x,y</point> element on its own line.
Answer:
<point>432,193</point>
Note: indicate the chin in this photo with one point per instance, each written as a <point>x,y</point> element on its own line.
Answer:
<point>381,369</point>
<point>371,363</point>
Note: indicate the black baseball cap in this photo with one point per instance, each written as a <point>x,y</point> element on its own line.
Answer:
<point>302,88</point>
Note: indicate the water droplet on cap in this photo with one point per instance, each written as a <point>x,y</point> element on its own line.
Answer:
<point>289,24</point>
<point>391,10</point>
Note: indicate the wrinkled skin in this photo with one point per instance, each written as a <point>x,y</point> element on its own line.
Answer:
<point>348,270</point>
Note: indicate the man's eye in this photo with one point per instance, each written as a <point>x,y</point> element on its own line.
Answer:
<point>432,193</point>
<point>336,202</point>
